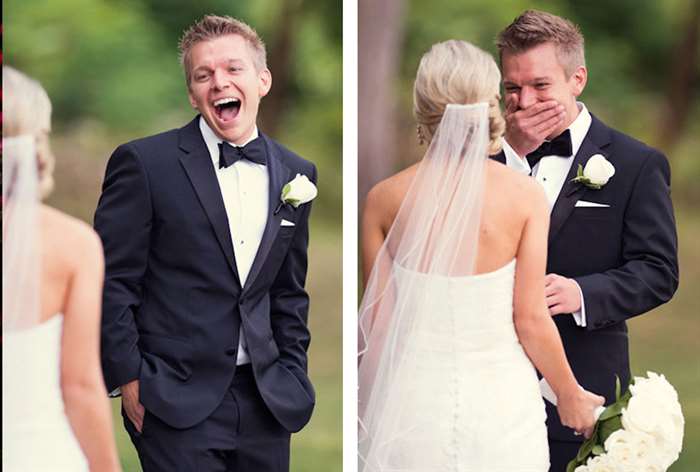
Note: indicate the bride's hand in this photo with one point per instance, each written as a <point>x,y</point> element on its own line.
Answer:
<point>577,410</point>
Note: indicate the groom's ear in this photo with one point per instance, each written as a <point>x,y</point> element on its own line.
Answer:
<point>578,80</point>
<point>265,78</point>
<point>191,98</point>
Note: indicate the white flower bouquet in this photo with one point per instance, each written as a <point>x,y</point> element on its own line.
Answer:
<point>641,431</point>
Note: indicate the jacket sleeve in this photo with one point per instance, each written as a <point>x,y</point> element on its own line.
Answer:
<point>648,275</point>
<point>288,297</point>
<point>123,220</point>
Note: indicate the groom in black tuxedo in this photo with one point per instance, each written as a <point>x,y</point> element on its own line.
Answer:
<point>204,328</point>
<point>612,250</point>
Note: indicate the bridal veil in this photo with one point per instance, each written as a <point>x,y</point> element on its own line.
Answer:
<point>20,234</point>
<point>435,233</point>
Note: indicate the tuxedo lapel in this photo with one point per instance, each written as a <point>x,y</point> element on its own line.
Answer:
<point>597,138</point>
<point>198,166</point>
<point>500,157</point>
<point>278,176</point>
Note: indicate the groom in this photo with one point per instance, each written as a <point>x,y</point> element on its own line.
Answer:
<point>204,327</point>
<point>612,251</point>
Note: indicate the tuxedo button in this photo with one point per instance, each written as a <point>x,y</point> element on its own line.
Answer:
<point>230,352</point>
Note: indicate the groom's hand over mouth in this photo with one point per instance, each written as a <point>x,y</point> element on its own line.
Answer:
<point>527,128</point>
<point>563,294</point>
<point>130,402</point>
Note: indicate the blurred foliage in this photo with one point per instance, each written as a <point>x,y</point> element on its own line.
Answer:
<point>112,71</point>
<point>113,64</point>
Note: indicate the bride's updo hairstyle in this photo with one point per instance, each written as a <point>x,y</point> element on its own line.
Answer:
<point>456,72</point>
<point>27,111</point>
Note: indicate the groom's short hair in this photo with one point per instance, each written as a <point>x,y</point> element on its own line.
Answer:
<point>534,27</point>
<point>212,27</point>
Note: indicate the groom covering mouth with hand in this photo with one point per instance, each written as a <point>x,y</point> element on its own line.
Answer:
<point>612,249</point>
<point>204,328</point>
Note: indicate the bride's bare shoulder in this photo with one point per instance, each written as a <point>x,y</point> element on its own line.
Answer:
<point>68,237</point>
<point>384,199</point>
<point>519,189</point>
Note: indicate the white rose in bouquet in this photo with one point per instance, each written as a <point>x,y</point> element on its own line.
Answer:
<point>654,409</point>
<point>654,382</point>
<point>601,464</point>
<point>633,450</point>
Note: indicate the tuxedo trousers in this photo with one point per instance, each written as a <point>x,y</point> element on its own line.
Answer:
<point>241,435</point>
<point>561,453</point>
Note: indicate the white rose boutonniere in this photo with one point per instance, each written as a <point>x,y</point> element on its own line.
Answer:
<point>296,192</point>
<point>597,172</point>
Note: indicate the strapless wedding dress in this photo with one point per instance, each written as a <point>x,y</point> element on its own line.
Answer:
<point>36,433</point>
<point>466,397</point>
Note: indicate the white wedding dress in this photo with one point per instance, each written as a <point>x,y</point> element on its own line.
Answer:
<point>36,433</point>
<point>466,396</point>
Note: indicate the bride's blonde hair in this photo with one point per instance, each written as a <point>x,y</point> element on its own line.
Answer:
<point>27,110</point>
<point>456,72</point>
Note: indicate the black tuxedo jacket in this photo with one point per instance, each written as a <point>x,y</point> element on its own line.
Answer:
<point>173,303</point>
<point>624,257</point>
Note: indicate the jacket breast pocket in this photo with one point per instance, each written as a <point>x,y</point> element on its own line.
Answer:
<point>286,232</point>
<point>594,213</point>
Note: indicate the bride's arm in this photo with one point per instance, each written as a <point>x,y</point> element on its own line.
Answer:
<point>536,329</point>
<point>372,232</point>
<point>82,385</point>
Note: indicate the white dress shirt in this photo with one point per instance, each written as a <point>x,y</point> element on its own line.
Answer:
<point>244,188</point>
<point>551,172</point>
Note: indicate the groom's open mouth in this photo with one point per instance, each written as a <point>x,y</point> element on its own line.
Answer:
<point>227,109</point>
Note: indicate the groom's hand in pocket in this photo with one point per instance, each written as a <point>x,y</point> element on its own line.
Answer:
<point>527,128</point>
<point>130,402</point>
<point>563,294</point>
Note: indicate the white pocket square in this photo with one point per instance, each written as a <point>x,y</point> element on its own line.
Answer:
<point>585,204</point>
<point>286,223</point>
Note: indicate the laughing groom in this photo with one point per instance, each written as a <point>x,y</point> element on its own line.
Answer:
<point>612,250</point>
<point>204,327</point>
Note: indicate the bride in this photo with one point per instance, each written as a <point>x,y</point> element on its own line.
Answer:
<point>453,315</point>
<point>55,412</point>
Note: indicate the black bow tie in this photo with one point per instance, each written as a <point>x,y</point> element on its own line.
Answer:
<point>559,146</point>
<point>254,151</point>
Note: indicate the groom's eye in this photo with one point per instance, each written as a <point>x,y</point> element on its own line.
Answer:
<point>541,85</point>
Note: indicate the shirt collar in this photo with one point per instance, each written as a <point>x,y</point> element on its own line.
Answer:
<point>212,140</point>
<point>579,128</point>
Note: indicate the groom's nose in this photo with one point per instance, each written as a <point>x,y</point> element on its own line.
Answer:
<point>219,79</point>
<point>527,98</point>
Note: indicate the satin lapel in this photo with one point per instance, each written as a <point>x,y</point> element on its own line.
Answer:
<point>279,175</point>
<point>594,142</point>
<point>200,170</point>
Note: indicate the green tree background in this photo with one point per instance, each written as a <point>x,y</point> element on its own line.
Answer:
<point>111,69</point>
<point>643,61</point>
